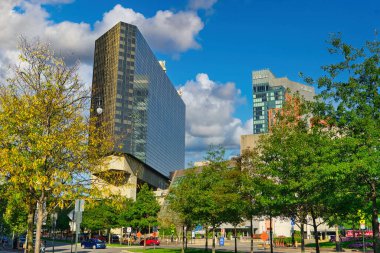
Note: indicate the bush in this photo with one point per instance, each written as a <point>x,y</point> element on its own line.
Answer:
<point>359,245</point>
<point>286,240</point>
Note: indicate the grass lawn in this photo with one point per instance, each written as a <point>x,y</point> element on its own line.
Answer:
<point>330,244</point>
<point>118,245</point>
<point>177,250</point>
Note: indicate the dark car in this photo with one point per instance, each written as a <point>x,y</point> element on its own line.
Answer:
<point>93,244</point>
<point>151,241</point>
<point>115,238</point>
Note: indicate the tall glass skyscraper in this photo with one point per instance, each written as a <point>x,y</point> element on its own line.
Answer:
<point>269,94</point>
<point>146,115</point>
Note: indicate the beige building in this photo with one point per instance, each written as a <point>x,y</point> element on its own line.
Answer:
<point>123,175</point>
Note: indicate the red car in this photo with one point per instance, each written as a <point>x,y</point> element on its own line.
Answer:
<point>100,237</point>
<point>151,241</point>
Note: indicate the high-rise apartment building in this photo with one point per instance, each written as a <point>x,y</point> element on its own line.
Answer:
<point>269,94</point>
<point>144,112</point>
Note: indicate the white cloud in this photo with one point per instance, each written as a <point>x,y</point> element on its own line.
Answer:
<point>201,4</point>
<point>209,114</point>
<point>52,1</point>
<point>166,32</point>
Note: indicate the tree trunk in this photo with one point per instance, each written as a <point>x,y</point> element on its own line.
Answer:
<point>251,235</point>
<point>302,237</point>
<point>235,240</point>
<point>109,235</point>
<point>40,217</point>
<point>315,227</point>
<point>213,239</point>
<point>375,221</point>
<point>29,235</point>
<point>337,240</point>
<point>183,239</point>
<point>186,239</point>
<point>271,234</point>
<point>206,245</point>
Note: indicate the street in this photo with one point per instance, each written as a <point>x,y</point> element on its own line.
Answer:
<point>229,246</point>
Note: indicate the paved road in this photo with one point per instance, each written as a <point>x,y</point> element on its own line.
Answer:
<point>242,247</point>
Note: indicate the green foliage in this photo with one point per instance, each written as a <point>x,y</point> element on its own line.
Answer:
<point>209,195</point>
<point>46,151</point>
<point>63,221</point>
<point>350,92</point>
<point>142,215</point>
<point>106,213</point>
<point>15,215</point>
<point>286,240</point>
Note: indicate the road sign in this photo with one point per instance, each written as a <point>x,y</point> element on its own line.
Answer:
<point>129,229</point>
<point>71,215</point>
<point>221,241</point>
<point>73,226</point>
<point>139,234</point>
<point>362,224</point>
<point>264,236</point>
<point>79,205</point>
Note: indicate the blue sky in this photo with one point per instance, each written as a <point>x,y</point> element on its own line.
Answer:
<point>210,46</point>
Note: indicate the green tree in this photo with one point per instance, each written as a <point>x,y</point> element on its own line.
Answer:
<point>208,195</point>
<point>182,200</point>
<point>143,213</point>
<point>350,88</point>
<point>294,163</point>
<point>46,152</point>
<point>63,220</point>
<point>15,215</point>
<point>104,214</point>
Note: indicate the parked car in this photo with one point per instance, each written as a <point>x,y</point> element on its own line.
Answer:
<point>93,244</point>
<point>151,241</point>
<point>100,237</point>
<point>115,238</point>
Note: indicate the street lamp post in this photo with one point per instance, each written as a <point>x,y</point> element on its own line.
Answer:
<point>99,109</point>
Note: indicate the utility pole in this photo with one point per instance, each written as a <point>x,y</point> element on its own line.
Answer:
<point>79,208</point>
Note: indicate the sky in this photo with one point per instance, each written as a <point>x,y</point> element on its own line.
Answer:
<point>210,47</point>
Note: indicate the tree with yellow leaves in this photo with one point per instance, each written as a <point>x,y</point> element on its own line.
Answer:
<point>47,155</point>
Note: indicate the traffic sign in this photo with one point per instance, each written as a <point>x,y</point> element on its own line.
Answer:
<point>71,215</point>
<point>129,229</point>
<point>264,236</point>
<point>221,241</point>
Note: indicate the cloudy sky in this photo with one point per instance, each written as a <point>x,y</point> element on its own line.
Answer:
<point>210,46</point>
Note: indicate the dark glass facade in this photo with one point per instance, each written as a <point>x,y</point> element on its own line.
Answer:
<point>265,99</point>
<point>269,95</point>
<point>146,113</point>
